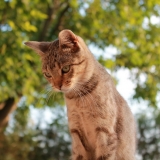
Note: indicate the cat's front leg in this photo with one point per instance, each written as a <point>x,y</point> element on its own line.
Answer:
<point>106,144</point>
<point>79,148</point>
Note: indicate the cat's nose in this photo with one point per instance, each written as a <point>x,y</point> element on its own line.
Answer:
<point>57,83</point>
<point>59,86</point>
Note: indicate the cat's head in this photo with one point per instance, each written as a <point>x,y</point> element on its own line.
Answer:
<point>66,62</point>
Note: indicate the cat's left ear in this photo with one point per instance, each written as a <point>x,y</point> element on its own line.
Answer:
<point>68,41</point>
<point>39,47</point>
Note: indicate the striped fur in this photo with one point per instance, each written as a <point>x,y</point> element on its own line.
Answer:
<point>101,124</point>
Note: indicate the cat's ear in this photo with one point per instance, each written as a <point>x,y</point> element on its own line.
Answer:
<point>68,41</point>
<point>39,47</point>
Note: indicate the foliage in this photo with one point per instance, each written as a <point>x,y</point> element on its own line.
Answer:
<point>129,26</point>
<point>126,25</point>
<point>33,141</point>
<point>20,68</point>
<point>149,135</point>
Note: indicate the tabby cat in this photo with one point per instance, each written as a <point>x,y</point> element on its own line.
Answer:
<point>101,124</point>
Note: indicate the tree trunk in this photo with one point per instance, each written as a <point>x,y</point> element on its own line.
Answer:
<point>53,17</point>
<point>10,105</point>
<point>5,109</point>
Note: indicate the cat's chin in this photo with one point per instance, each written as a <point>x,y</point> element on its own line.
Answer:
<point>63,90</point>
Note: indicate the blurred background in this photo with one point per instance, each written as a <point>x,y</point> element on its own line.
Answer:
<point>124,36</point>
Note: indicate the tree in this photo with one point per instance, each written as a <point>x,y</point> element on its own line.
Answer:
<point>149,134</point>
<point>24,140</point>
<point>126,25</point>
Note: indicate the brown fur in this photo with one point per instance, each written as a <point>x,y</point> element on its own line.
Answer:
<point>100,122</point>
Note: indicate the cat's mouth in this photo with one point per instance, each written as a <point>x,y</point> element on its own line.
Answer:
<point>61,89</point>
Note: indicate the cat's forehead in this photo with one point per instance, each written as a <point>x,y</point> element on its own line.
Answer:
<point>53,48</point>
<point>55,55</point>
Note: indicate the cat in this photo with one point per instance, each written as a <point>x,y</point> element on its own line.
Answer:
<point>101,124</point>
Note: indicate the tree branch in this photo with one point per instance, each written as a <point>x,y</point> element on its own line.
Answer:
<point>8,107</point>
<point>4,13</point>
<point>59,20</point>
<point>50,12</point>
<point>46,24</point>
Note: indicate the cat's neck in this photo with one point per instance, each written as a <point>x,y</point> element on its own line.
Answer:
<point>98,77</point>
<point>83,89</point>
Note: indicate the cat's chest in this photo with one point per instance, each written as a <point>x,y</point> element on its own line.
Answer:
<point>84,122</point>
<point>83,117</point>
<point>81,110</point>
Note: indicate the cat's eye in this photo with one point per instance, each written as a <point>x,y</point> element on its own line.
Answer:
<point>48,75</point>
<point>65,69</point>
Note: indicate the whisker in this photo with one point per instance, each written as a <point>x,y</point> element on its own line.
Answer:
<point>81,97</point>
<point>88,93</point>
<point>47,93</point>
<point>51,95</point>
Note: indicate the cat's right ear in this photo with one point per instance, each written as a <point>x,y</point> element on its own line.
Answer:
<point>39,47</point>
<point>68,41</point>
